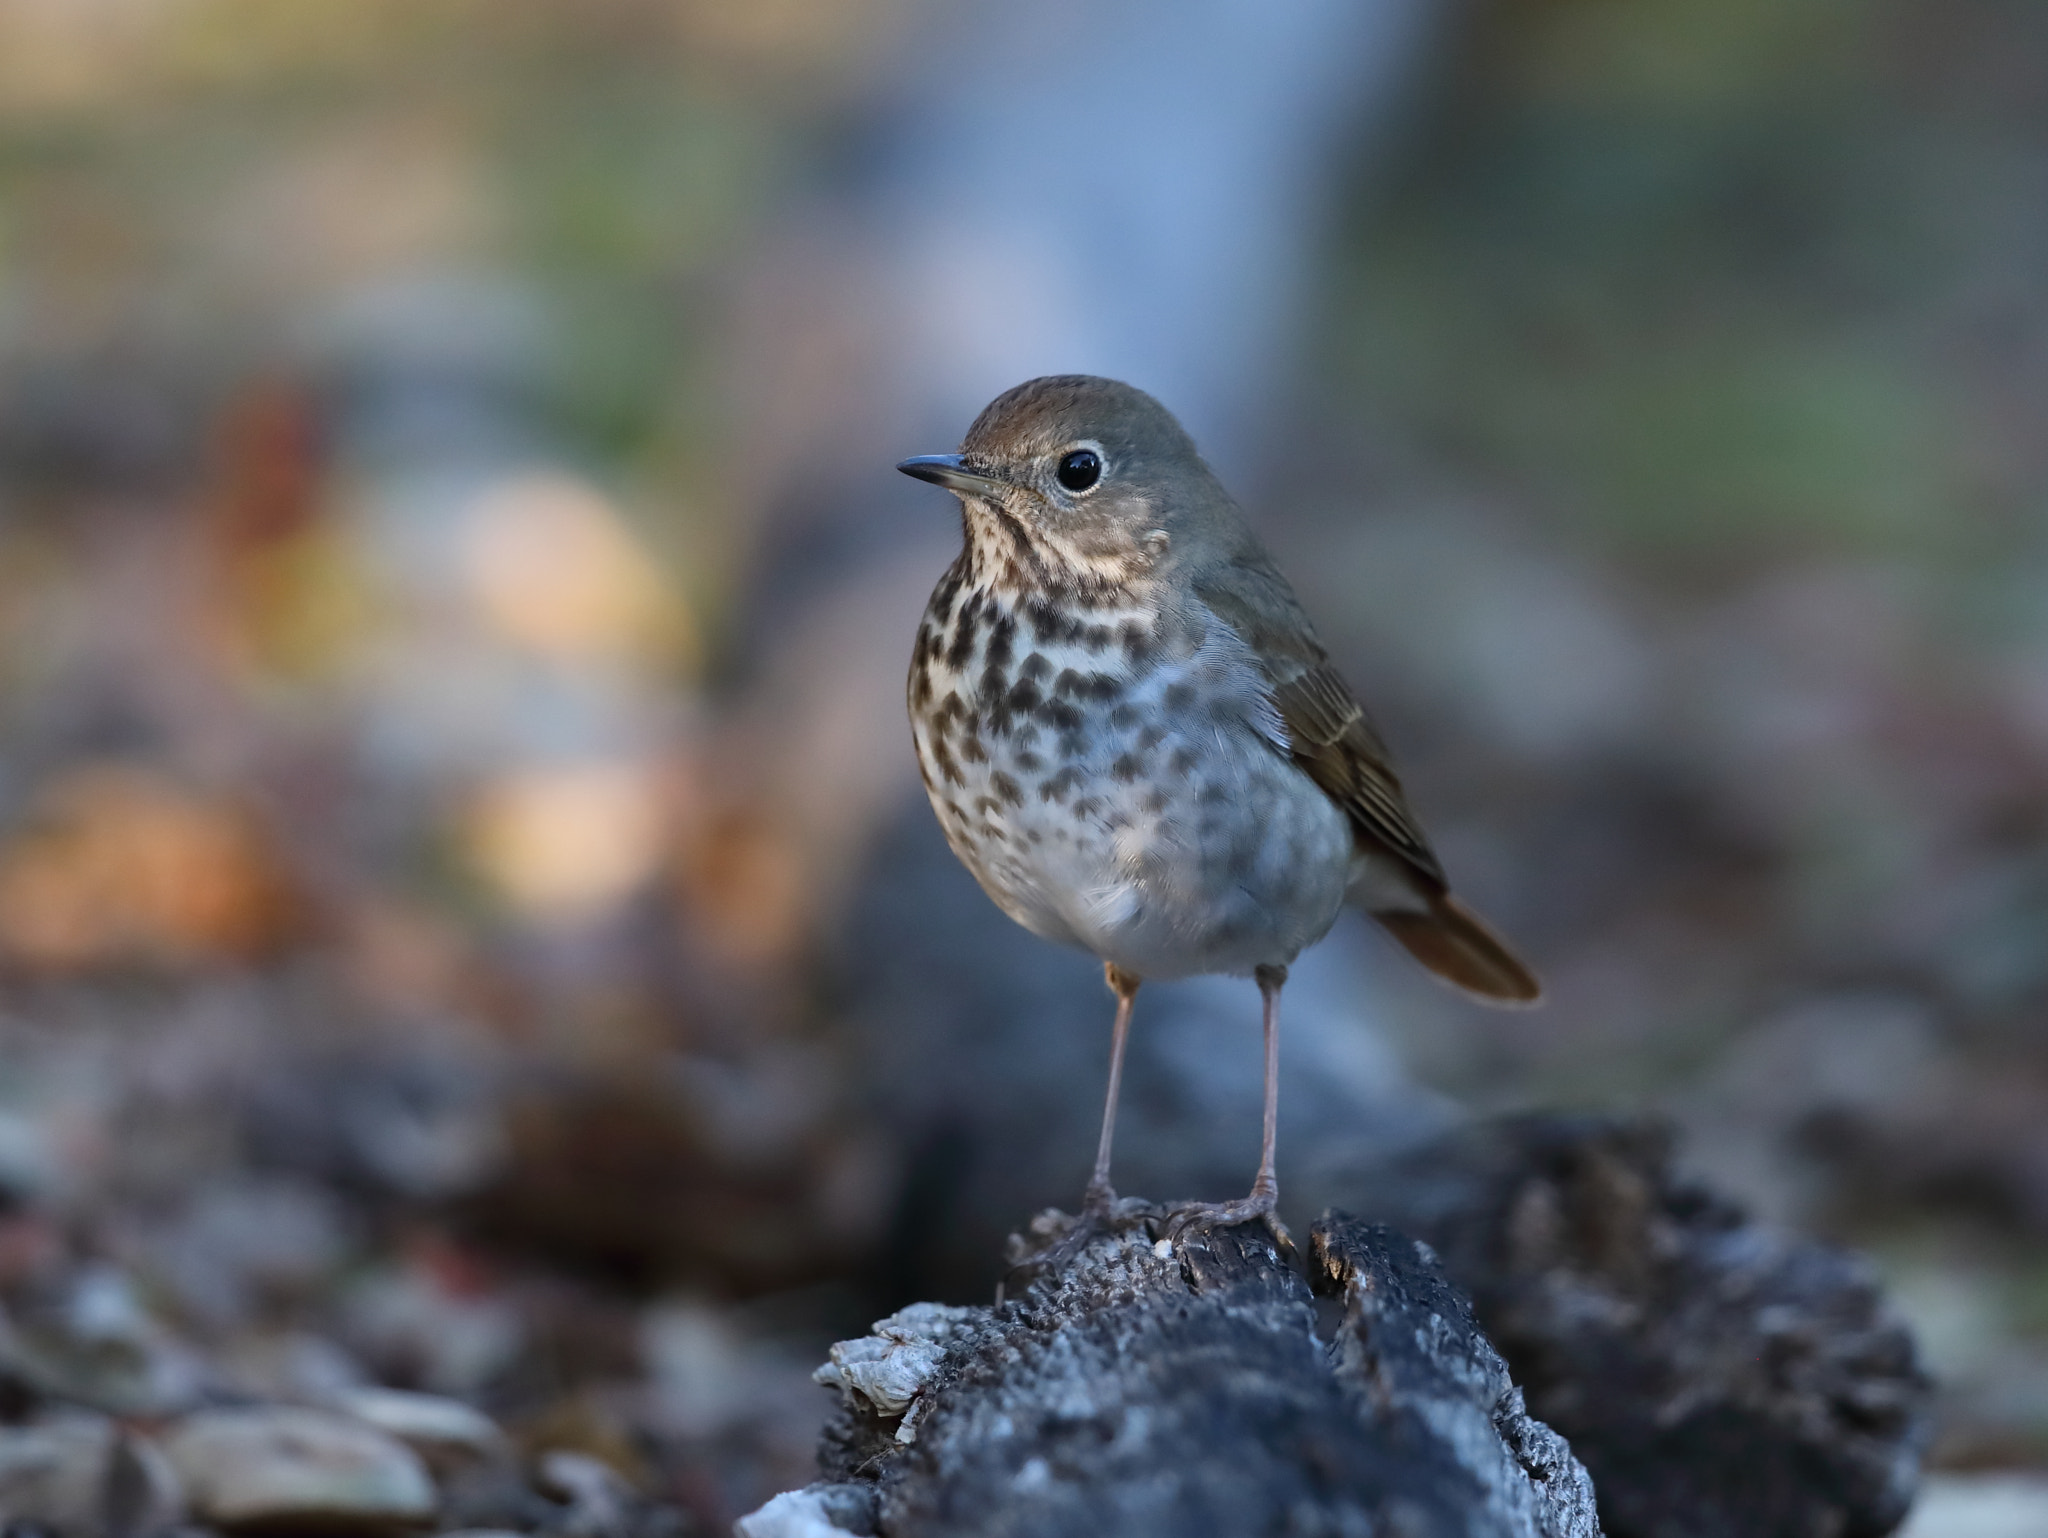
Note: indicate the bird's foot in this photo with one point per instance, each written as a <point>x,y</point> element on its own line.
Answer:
<point>1188,1218</point>
<point>1059,1238</point>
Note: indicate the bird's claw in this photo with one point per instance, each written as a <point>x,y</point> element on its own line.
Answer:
<point>1201,1217</point>
<point>1102,1212</point>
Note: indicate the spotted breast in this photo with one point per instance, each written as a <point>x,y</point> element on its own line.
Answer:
<point>1093,764</point>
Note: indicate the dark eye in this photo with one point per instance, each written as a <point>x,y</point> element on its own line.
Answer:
<point>1079,470</point>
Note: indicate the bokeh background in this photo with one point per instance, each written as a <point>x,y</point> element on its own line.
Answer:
<point>467,919</point>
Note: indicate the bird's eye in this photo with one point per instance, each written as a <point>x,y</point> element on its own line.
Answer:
<point>1079,470</point>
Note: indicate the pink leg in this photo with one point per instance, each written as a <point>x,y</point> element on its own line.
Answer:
<point>1101,1196</point>
<point>1265,1192</point>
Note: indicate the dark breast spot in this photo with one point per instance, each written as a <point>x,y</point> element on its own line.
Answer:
<point>1124,717</point>
<point>1137,641</point>
<point>1101,687</point>
<point>1059,786</point>
<point>1098,638</point>
<point>1086,808</point>
<point>1152,736</point>
<point>1001,633</point>
<point>1007,789</point>
<point>1060,716</point>
<point>949,584</point>
<point>1154,802</point>
<point>1050,622</point>
<point>1181,762</point>
<point>1035,666</point>
<point>966,628</point>
<point>1127,767</point>
<point>1180,697</point>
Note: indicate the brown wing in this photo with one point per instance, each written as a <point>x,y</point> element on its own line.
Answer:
<point>1331,737</point>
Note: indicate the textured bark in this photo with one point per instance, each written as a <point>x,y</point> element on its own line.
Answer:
<point>1718,1379</point>
<point>1138,1390</point>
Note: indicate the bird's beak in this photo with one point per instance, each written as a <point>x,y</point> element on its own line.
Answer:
<point>948,471</point>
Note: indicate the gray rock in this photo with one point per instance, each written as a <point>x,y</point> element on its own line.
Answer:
<point>600,1502</point>
<point>282,1466</point>
<point>1720,1379</point>
<point>446,1433</point>
<point>1142,1389</point>
<point>83,1477</point>
<point>822,1510</point>
<point>88,1340</point>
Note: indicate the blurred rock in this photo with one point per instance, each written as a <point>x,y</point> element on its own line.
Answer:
<point>292,1365</point>
<point>250,1240</point>
<point>821,1510</point>
<point>494,1497</point>
<point>83,1477</point>
<point>85,1338</point>
<point>419,1323</point>
<point>282,1466</point>
<point>414,1119</point>
<point>1980,1506</point>
<point>600,1503</point>
<point>1715,1377</point>
<point>446,1433</point>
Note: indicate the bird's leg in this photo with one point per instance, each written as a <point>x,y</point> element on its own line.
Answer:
<point>1101,1211</point>
<point>1100,1199</point>
<point>1265,1193</point>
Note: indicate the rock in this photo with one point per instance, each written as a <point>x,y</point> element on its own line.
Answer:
<point>494,1497</point>
<point>83,1477</point>
<point>1142,1389</point>
<point>817,1511</point>
<point>87,1340</point>
<point>446,1433</point>
<point>599,1500</point>
<point>283,1466</point>
<point>891,1367</point>
<point>1720,1380</point>
<point>1411,1348</point>
<point>1981,1506</point>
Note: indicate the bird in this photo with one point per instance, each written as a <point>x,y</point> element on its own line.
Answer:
<point>1133,739</point>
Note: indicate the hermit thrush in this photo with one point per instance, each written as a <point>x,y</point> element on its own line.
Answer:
<point>1134,740</point>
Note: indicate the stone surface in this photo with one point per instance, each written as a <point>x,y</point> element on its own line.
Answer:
<point>83,1477</point>
<point>823,1510</point>
<point>86,1338</point>
<point>1719,1379</point>
<point>446,1433</point>
<point>1145,1389</point>
<point>282,1466</point>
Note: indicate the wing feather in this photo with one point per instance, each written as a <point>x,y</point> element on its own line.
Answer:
<point>1328,731</point>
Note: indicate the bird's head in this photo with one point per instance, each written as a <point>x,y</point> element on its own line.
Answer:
<point>1071,479</point>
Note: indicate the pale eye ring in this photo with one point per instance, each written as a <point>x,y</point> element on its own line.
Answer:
<point>1078,469</point>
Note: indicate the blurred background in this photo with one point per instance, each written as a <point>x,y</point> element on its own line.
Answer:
<point>468,921</point>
